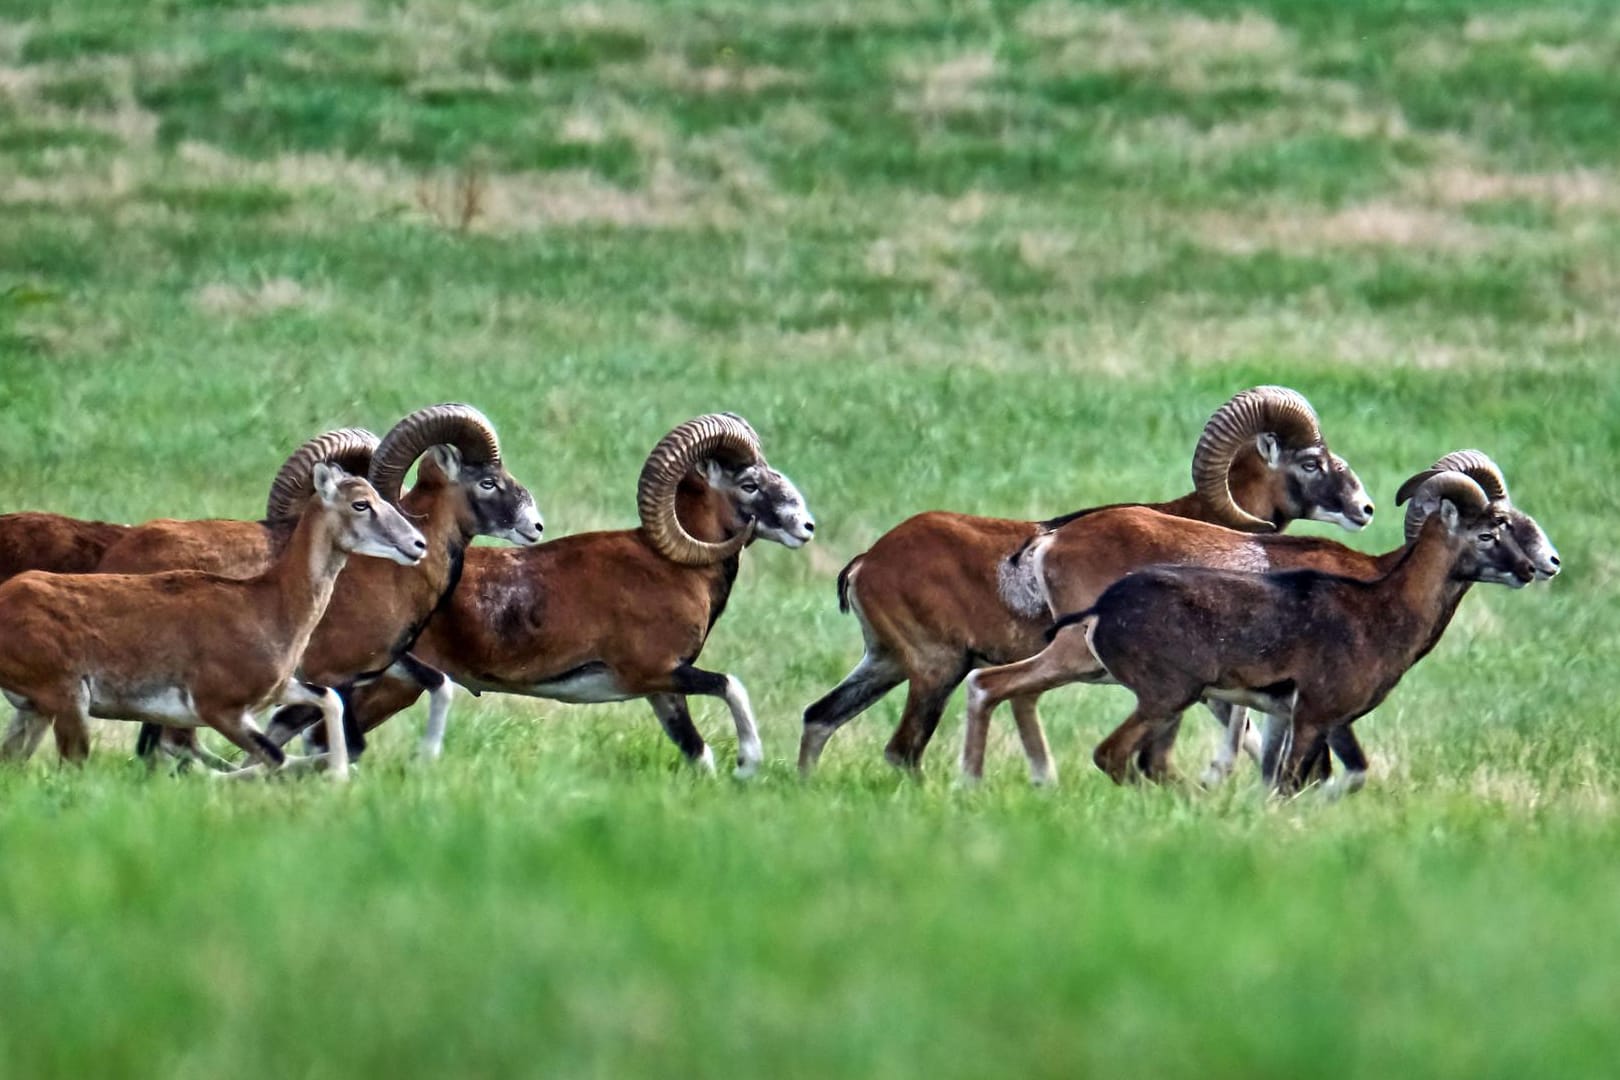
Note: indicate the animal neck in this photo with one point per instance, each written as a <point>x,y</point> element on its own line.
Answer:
<point>703,513</point>
<point>428,507</point>
<point>1420,593</point>
<point>307,568</point>
<point>1253,488</point>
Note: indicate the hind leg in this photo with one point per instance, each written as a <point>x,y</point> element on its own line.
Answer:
<point>925,704</point>
<point>1153,758</point>
<point>1117,754</point>
<point>1235,736</point>
<point>1042,769</point>
<point>1347,748</point>
<point>22,738</point>
<point>1065,660</point>
<point>873,677</point>
<point>183,745</point>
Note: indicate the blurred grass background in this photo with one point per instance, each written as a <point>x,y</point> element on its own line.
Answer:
<point>991,257</point>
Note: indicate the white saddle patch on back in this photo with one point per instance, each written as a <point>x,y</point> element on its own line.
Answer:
<point>1020,583</point>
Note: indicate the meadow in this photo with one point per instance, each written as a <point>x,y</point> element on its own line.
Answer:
<point>981,256</point>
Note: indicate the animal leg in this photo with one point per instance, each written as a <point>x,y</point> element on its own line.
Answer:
<point>925,704</point>
<point>1347,748</point>
<point>1065,660</point>
<point>873,677</point>
<point>1116,754</point>
<point>676,719</point>
<point>691,680</point>
<point>1234,721</point>
<point>1042,769</point>
<point>22,738</point>
<point>1153,759</point>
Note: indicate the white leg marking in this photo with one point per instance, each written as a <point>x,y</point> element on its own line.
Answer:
<point>704,762</point>
<point>749,751</point>
<point>331,706</point>
<point>1345,783</point>
<point>432,744</point>
<point>1235,736</point>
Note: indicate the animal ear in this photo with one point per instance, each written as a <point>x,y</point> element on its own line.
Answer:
<point>1448,514</point>
<point>1270,448</point>
<point>712,471</point>
<point>446,459</point>
<point>325,477</point>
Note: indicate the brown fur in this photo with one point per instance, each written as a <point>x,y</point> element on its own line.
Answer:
<point>603,605</point>
<point>213,545</point>
<point>61,545</point>
<point>1324,648</point>
<point>929,598</point>
<point>1084,558</point>
<point>82,645</point>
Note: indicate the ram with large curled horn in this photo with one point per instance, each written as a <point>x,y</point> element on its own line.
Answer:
<point>1086,557</point>
<point>33,540</point>
<point>1320,650</point>
<point>462,490</point>
<point>943,593</point>
<point>613,616</point>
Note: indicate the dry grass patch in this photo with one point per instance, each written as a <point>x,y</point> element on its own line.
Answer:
<point>265,297</point>
<point>342,15</point>
<point>676,72</point>
<point>1369,225</point>
<point>956,85</point>
<point>1461,185</point>
<point>1187,50</point>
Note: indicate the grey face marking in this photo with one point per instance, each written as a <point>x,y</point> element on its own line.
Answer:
<point>1327,489</point>
<point>767,497</point>
<point>1533,541</point>
<point>1493,554</point>
<point>502,506</point>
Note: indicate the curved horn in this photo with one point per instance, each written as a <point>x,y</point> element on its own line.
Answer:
<point>349,448</point>
<point>1459,487</point>
<point>461,426</point>
<point>1473,463</point>
<point>1477,465</point>
<point>668,463</point>
<point>1264,408</point>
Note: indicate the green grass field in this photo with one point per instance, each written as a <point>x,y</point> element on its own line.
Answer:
<point>977,256</point>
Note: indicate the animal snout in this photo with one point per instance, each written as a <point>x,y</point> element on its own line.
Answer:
<point>418,545</point>
<point>810,527</point>
<point>1367,509</point>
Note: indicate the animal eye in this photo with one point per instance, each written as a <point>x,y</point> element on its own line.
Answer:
<point>1487,538</point>
<point>360,507</point>
<point>1311,465</point>
<point>749,487</point>
<point>487,483</point>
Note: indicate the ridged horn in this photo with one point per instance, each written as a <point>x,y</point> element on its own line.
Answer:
<point>1276,409</point>
<point>349,448</point>
<point>460,426</point>
<point>1474,463</point>
<point>670,461</point>
<point>1459,487</point>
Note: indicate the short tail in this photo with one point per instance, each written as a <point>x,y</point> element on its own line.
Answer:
<point>843,585</point>
<point>1067,621</point>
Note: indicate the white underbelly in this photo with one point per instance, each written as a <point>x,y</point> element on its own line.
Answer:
<point>1254,699</point>
<point>171,706</point>
<point>590,688</point>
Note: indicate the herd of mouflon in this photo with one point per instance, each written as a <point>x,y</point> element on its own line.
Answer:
<point>355,596</point>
